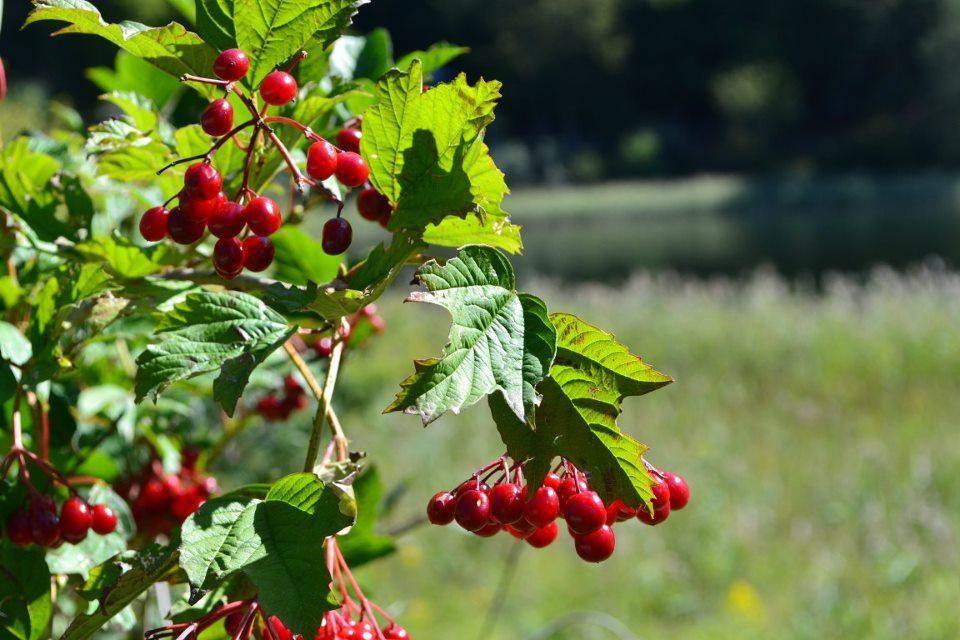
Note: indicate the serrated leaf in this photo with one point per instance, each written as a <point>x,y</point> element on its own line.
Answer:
<point>14,346</point>
<point>301,259</point>
<point>172,48</point>
<point>218,539</point>
<point>495,338</point>
<point>230,331</point>
<point>141,570</point>
<point>434,58</point>
<point>26,193</point>
<point>271,31</point>
<point>123,258</point>
<point>499,233</point>
<point>25,604</point>
<point>577,416</point>
<point>426,151</point>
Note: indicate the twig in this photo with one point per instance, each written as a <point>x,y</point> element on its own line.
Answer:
<point>340,440</point>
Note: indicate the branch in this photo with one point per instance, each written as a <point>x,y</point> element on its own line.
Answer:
<point>323,409</point>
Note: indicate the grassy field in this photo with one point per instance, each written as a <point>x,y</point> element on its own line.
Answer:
<point>818,432</point>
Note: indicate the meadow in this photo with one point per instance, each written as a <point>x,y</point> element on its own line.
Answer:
<point>817,429</point>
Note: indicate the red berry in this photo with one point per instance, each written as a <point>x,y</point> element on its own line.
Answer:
<point>18,528</point>
<point>202,181</point>
<point>233,621</point>
<point>153,224</point>
<point>263,216</point>
<point>655,518</point>
<point>489,530</point>
<point>323,346</point>
<point>661,495</point>
<point>197,210</point>
<point>348,139</point>
<point>352,170</point>
<point>373,205</point>
<point>518,532</point>
<point>278,88</point>
<point>217,118</point>
<point>104,519</point>
<point>231,65</point>
<point>568,487</point>
<point>292,386</point>
<point>321,159</point>
<point>280,631</point>
<point>543,536</point>
<point>506,503</point>
<point>441,508</point>
<point>679,490</point>
<point>551,480</point>
<point>337,235</point>
<point>228,256</point>
<point>395,632</point>
<point>227,221</point>
<point>44,524</point>
<point>155,494</point>
<point>585,512</point>
<point>543,508</point>
<point>596,546</point>
<point>186,503</point>
<point>618,511</point>
<point>473,510</point>
<point>258,252</point>
<point>75,519</point>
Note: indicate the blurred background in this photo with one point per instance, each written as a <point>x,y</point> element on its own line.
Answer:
<point>762,199</point>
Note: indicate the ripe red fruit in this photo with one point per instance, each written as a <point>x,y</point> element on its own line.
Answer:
<point>18,528</point>
<point>231,65</point>
<point>75,519</point>
<point>679,490</point>
<point>655,518</point>
<point>352,170</point>
<point>473,510</point>
<point>104,519</point>
<point>323,346</point>
<point>263,216</point>
<point>321,159</point>
<point>568,487</point>
<point>596,546</point>
<point>373,205</point>
<point>44,524</point>
<point>584,512</point>
<point>217,118</point>
<point>551,480</point>
<point>395,632</point>
<point>228,257</point>
<point>258,253</point>
<point>661,495</point>
<point>153,224</point>
<point>506,503</point>
<point>202,181</point>
<point>618,511</point>
<point>337,236</point>
<point>186,503</point>
<point>441,508</point>
<point>201,210</point>
<point>543,536</point>
<point>543,508</point>
<point>348,139</point>
<point>278,88</point>
<point>227,221</point>
<point>489,530</point>
<point>280,630</point>
<point>182,229</point>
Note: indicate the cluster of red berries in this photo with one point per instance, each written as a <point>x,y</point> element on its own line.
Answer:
<point>335,626</point>
<point>203,206</point>
<point>509,506</point>
<point>323,346</point>
<point>38,522</point>
<point>161,501</point>
<point>278,405</point>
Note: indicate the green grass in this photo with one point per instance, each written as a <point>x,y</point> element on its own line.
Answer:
<point>818,433</point>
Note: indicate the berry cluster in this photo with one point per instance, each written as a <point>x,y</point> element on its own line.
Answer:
<point>161,501</point>
<point>37,522</point>
<point>357,618</point>
<point>243,225</point>
<point>565,493</point>
<point>278,405</point>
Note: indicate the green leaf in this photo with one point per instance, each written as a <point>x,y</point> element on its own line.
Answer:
<point>171,48</point>
<point>26,193</point>
<point>576,418</point>
<point>14,347</point>
<point>367,56</point>
<point>499,233</point>
<point>123,258</point>
<point>498,341</point>
<point>276,542</point>
<point>94,549</point>
<point>133,75</point>
<point>434,58</point>
<point>363,544</point>
<point>230,331</point>
<point>25,605</point>
<point>272,31</point>
<point>141,570</point>
<point>301,259</point>
<point>426,151</point>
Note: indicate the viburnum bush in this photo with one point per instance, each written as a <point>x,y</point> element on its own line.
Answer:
<point>187,269</point>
